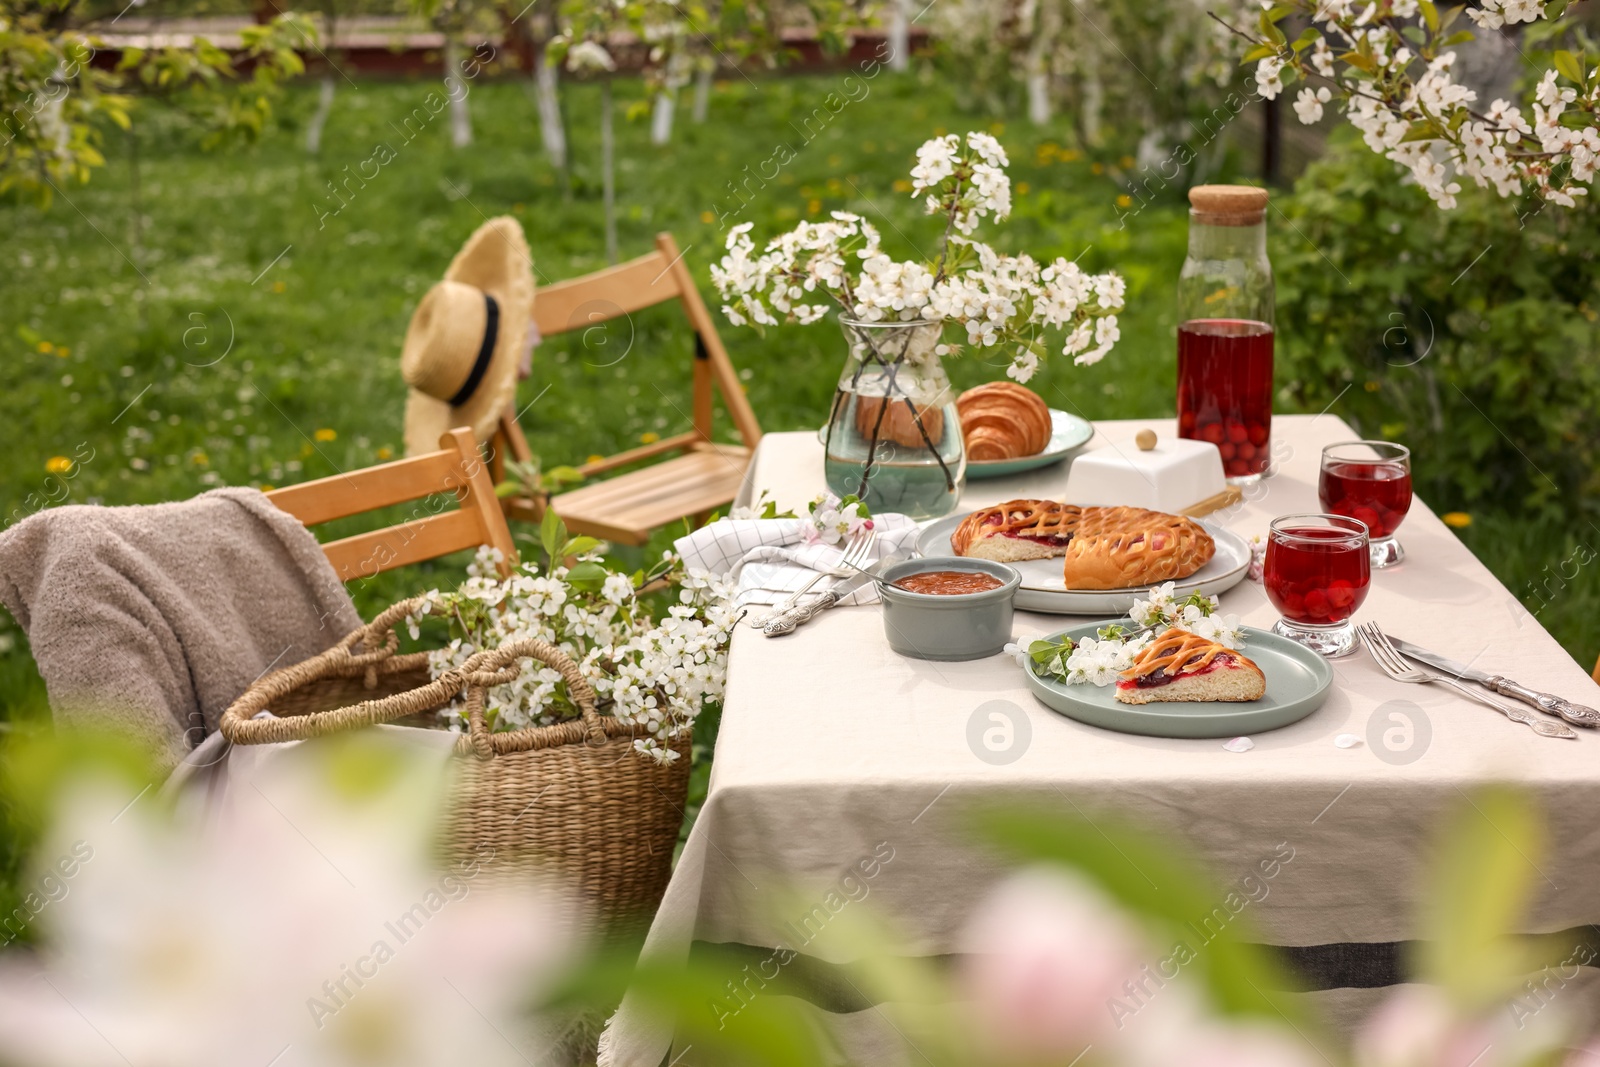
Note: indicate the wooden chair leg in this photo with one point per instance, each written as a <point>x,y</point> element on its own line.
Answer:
<point>477,493</point>
<point>1596,674</point>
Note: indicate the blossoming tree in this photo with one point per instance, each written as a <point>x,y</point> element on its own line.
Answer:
<point>1156,62</point>
<point>52,96</point>
<point>1390,65</point>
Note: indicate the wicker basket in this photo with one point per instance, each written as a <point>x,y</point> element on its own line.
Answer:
<point>571,799</point>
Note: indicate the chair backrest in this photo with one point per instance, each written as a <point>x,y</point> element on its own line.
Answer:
<point>585,302</point>
<point>457,470</point>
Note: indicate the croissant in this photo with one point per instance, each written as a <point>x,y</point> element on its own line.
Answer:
<point>899,423</point>
<point>1003,420</point>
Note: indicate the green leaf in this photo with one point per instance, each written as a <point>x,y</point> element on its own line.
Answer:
<point>580,545</point>
<point>552,535</point>
<point>562,477</point>
<point>1483,879</point>
<point>1430,15</point>
<point>1569,66</point>
<point>1357,60</point>
<point>1269,28</point>
<point>587,576</point>
<point>1421,131</point>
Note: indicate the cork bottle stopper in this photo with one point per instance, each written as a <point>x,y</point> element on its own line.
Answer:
<point>1146,440</point>
<point>1228,205</point>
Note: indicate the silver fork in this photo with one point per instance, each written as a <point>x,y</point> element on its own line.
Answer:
<point>1401,670</point>
<point>856,554</point>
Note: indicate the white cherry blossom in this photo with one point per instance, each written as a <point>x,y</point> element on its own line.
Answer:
<point>997,299</point>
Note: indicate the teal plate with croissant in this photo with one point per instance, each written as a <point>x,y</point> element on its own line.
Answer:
<point>1068,434</point>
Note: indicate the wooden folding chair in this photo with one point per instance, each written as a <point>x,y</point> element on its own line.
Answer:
<point>706,475</point>
<point>456,470</point>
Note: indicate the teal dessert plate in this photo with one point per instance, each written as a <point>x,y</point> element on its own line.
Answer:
<point>1068,434</point>
<point>1298,681</point>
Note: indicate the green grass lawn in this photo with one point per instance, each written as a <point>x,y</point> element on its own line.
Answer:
<point>251,336</point>
<point>246,335</point>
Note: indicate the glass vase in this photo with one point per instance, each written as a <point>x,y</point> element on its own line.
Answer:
<point>893,436</point>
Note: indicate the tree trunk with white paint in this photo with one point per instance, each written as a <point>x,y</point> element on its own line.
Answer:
<point>547,93</point>
<point>702,93</point>
<point>608,174</point>
<point>319,119</point>
<point>661,116</point>
<point>899,34</point>
<point>456,86</point>
<point>1038,61</point>
<point>1093,99</point>
<point>666,105</point>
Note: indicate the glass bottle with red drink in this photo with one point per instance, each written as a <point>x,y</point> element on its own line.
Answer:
<point>1225,340</point>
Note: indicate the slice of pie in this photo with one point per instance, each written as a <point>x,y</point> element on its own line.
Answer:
<point>1017,529</point>
<point>1181,666</point>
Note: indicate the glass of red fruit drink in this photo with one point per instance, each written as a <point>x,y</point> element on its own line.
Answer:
<point>1226,337</point>
<point>1318,568</point>
<point>1370,481</point>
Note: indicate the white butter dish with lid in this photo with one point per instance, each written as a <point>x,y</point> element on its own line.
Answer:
<point>1170,474</point>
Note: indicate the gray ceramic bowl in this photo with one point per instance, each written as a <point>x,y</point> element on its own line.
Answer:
<point>948,627</point>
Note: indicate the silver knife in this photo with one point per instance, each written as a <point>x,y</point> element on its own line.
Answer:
<point>1549,703</point>
<point>785,622</point>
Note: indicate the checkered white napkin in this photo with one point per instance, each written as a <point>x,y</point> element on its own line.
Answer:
<point>771,557</point>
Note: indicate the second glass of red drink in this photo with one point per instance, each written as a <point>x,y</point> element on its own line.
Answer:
<point>1317,572</point>
<point>1370,481</point>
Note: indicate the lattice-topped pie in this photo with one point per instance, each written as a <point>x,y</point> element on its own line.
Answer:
<point>1017,529</point>
<point>1181,666</point>
<point>1103,548</point>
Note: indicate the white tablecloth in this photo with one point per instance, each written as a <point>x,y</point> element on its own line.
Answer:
<point>833,748</point>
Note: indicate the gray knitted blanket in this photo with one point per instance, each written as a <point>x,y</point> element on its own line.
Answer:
<point>152,620</point>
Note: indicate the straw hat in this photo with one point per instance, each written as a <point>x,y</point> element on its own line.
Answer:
<point>467,336</point>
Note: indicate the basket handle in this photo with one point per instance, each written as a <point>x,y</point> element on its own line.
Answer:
<point>378,637</point>
<point>498,666</point>
<point>476,675</point>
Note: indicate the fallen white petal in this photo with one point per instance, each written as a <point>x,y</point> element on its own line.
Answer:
<point>1239,744</point>
<point>1346,741</point>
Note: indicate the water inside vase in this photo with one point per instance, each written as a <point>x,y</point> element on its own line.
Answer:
<point>917,468</point>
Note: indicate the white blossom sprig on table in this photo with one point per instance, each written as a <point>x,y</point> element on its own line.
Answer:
<point>1000,300</point>
<point>1102,659</point>
<point>656,674</point>
<point>1390,65</point>
<point>834,520</point>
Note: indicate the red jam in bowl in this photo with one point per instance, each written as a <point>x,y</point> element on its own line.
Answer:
<point>948,583</point>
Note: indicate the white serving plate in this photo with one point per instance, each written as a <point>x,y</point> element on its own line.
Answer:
<point>1044,590</point>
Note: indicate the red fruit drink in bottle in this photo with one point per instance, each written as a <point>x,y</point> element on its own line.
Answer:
<point>1225,390</point>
